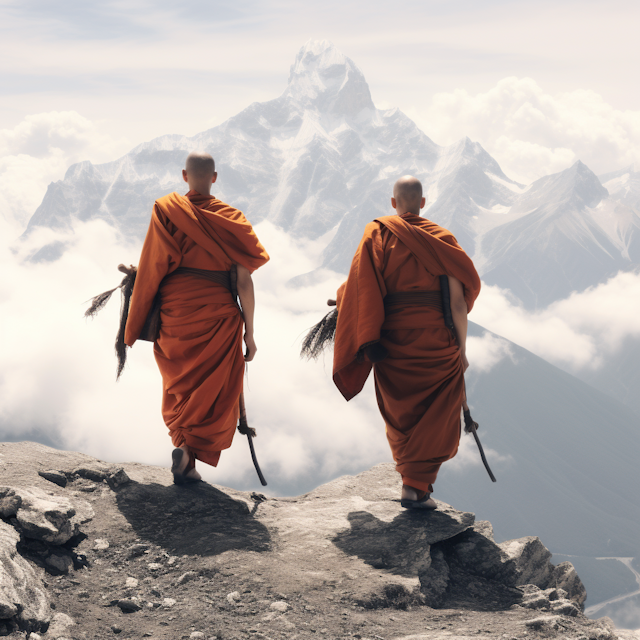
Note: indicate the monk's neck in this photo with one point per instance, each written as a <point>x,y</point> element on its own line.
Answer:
<point>202,191</point>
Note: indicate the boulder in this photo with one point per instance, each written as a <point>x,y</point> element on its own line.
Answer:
<point>564,577</point>
<point>57,477</point>
<point>23,600</point>
<point>482,557</point>
<point>531,558</point>
<point>50,518</point>
<point>434,581</point>
<point>9,502</point>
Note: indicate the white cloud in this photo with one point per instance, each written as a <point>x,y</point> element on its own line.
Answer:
<point>578,333</point>
<point>39,150</point>
<point>533,133</point>
<point>486,352</point>
<point>58,369</point>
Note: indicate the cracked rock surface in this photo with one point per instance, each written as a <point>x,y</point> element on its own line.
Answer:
<point>119,551</point>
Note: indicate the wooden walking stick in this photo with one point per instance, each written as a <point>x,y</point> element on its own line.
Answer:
<point>243,425</point>
<point>470,426</point>
<point>244,428</point>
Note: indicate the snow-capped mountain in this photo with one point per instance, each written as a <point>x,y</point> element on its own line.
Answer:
<point>321,160</point>
<point>562,234</point>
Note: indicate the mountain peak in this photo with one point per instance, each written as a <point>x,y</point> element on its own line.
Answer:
<point>322,77</point>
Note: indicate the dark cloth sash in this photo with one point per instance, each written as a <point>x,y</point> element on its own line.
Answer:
<point>431,299</point>
<point>219,277</point>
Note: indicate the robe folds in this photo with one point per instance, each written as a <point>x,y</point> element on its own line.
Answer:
<point>199,348</point>
<point>420,384</point>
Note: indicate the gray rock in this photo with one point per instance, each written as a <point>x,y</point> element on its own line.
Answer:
<point>57,477</point>
<point>137,550</point>
<point>536,601</point>
<point>60,563</point>
<point>128,606</point>
<point>186,577</point>
<point>9,502</point>
<point>435,580</point>
<point>565,607</point>
<point>46,517</point>
<point>118,478</point>
<point>564,576</point>
<point>22,594</point>
<point>482,557</point>
<point>60,625</point>
<point>532,560</point>
<point>484,528</point>
<point>93,474</point>
<point>543,623</point>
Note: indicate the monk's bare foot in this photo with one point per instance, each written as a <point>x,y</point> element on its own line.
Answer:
<point>193,475</point>
<point>413,499</point>
<point>409,493</point>
<point>180,460</point>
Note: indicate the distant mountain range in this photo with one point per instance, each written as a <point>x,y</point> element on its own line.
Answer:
<point>320,162</point>
<point>322,159</point>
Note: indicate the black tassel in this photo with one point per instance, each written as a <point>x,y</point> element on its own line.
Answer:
<point>120,347</point>
<point>99,301</point>
<point>320,336</point>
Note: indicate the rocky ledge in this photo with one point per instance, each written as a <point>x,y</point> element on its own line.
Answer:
<point>91,550</point>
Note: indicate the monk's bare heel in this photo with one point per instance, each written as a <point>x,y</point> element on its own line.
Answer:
<point>427,503</point>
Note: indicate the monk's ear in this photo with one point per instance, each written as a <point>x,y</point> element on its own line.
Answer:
<point>184,175</point>
<point>423,202</point>
<point>215,177</point>
<point>394,204</point>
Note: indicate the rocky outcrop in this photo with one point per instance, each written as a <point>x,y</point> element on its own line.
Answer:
<point>147,558</point>
<point>23,601</point>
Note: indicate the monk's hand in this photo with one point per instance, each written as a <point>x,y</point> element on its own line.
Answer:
<point>251,348</point>
<point>465,362</point>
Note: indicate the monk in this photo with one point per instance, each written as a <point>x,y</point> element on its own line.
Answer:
<point>193,245</point>
<point>390,319</point>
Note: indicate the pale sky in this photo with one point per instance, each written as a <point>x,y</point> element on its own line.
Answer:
<point>139,69</point>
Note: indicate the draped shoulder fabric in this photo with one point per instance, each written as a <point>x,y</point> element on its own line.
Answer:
<point>419,385</point>
<point>199,349</point>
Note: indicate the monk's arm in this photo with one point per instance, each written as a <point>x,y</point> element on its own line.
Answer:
<point>459,313</point>
<point>248,302</point>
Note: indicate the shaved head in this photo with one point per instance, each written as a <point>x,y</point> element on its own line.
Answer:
<point>200,165</point>
<point>407,195</point>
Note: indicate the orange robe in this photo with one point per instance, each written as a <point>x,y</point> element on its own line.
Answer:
<point>419,385</point>
<point>199,349</point>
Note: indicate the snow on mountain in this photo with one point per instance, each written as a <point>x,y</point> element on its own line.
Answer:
<point>318,159</point>
<point>321,160</point>
<point>560,236</point>
<point>303,160</point>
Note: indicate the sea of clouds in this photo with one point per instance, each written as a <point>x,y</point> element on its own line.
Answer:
<point>57,370</point>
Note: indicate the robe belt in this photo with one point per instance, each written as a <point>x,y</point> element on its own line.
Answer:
<point>432,299</point>
<point>219,277</point>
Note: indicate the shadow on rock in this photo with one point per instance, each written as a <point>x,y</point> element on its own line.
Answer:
<point>400,546</point>
<point>196,519</point>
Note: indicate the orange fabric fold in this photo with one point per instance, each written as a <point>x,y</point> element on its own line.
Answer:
<point>419,385</point>
<point>199,349</point>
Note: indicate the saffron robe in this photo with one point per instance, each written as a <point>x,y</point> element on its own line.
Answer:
<point>199,348</point>
<point>420,384</point>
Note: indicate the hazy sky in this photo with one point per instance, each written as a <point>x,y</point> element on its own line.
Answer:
<point>139,69</point>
